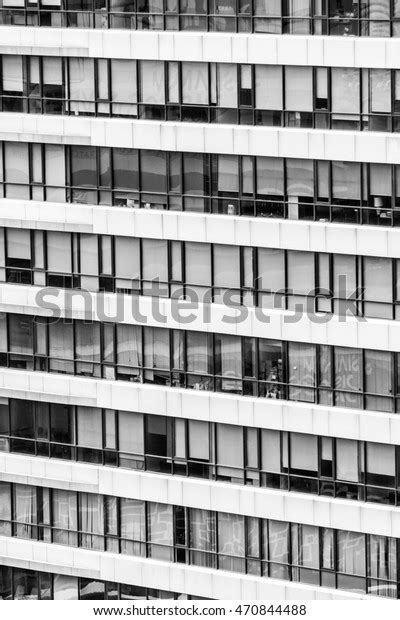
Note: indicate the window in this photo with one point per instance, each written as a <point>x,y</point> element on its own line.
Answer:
<point>25,510</point>
<point>152,81</point>
<point>302,368</point>
<point>160,531</point>
<point>62,424</point>
<point>83,166</point>
<point>123,87</point>
<point>298,89</point>
<point>89,427</point>
<point>91,521</point>
<point>380,464</point>
<point>348,377</point>
<point>304,454</point>
<point>81,85</point>
<point>269,87</point>
<point>378,287</point>
<point>347,460</point>
<point>229,451</point>
<point>195,83</point>
<point>378,380</point>
<point>227,81</point>
<point>12,75</point>
<point>202,537</point>
<point>269,173</point>
<point>231,545</point>
<point>125,169</point>
<point>153,171</point>
<point>59,256</point>
<point>65,588</point>
<point>228,362</point>
<point>226,266</point>
<point>65,517</point>
<point>345,91</point>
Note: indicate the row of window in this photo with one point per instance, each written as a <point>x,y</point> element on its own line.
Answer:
<point>269,278</point>
<point>339,376</point>
<point>262,547</point>
<point>337,98</point>
<point>375,18</point>
<point>298,189</point>
<point>21,584</point>
<point>344,468</point>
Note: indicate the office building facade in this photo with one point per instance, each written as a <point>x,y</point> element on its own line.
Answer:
<point>199,299</point>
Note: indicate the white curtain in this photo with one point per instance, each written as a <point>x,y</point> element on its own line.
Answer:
<point>380,89</point>
<point>227,85</point>
<point>381,459</point>
<point>90,427</point>
<point>228,173</point>
<point>299,177</point>
<point>199,440</point>
<point>61,341</point>
<point>130,432</point>
<point>231,542</point>
<point>152,81</point>
<point>304,452</point>
<point>129,345</point>
<point>12,74</point>
<point>59,258</point>
<point>309,546</point>
<point>230,448</point>
<point>300,268</point>
<point>271,269</point>
<point>52,71</point>
<point>269,176</point>
<point>202,537</point>
<point>299,89</point>
<point>302,369</point>
<point>378,279</point>
<point>347,460</point>
<point>133,526</point>
<point>55,172</point>
<point>269,92</point>
<point>81,84</point>
<point>328,549</point>
<point>226,266</point>
<point>156,348</point>
<point>230,356</point>
<point>345,91</point>
<point>198,263</point>
<point>18,243</point>
<point>65,517</point>
<point>351,553</point>
<point>160,531</point>
<point>195,83</point>
<point>382,557</point>
<point>25,510</point>
<point>5,508</point>
<point>127,261</point>
<point>155,259</point>
<point>123,86</point>
<point>91,513</point>
<point>270,451</point>
<point>278,542</point>
<point>16,161</point>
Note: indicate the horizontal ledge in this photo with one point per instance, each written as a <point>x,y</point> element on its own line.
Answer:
<point>359,332</point>
<point>306,50</point>
<point>262,503</point>
<point>373,147</point>
<point>199,405</point>
<point>202,227</point>
<point>204,582</point>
